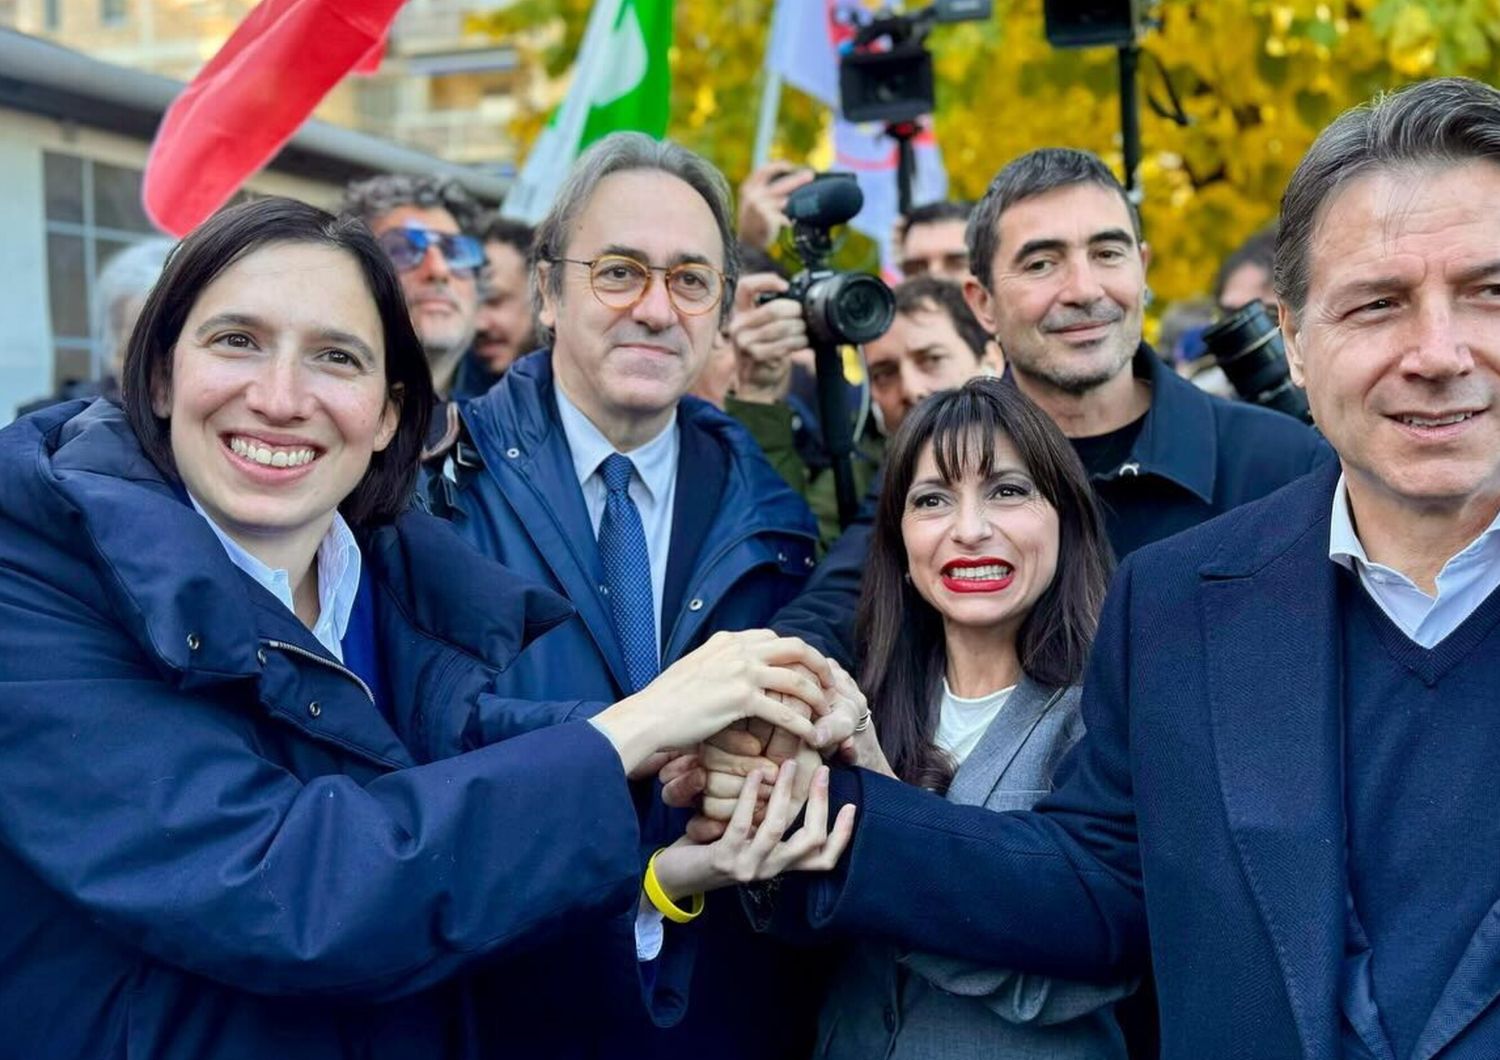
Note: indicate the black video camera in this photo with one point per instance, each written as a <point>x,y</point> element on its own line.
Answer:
<point>891,81</point>
<point>1247,346</point>
<point>839,307</point>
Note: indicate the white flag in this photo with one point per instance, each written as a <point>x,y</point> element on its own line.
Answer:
<point>620,80</point>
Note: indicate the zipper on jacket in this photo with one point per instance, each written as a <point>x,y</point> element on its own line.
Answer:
<point>282,645</point>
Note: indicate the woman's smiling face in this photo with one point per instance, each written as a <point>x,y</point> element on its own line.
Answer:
<point>983,549</point>
<point>278,396</point>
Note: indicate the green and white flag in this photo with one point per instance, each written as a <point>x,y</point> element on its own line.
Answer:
<point>621,80</point>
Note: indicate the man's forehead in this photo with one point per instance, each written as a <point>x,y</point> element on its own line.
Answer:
<point>435,218</point>
<point>949,231</point>
<point>927,321</point>
<point>651,213</point>
<point>914,328</point>
<point>1075,213</point>
<point>1395,226</point>
<point>503,255</point>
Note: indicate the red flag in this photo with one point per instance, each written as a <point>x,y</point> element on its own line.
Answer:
<point>252,97</point>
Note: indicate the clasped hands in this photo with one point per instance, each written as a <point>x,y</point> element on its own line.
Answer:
<point>736,729</point>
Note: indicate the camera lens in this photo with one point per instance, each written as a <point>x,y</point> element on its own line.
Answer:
<point>1247,346</point>
<point>851,307</point>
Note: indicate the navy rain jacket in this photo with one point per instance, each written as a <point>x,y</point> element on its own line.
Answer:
<point>742,546</point>
<point>742,541</point>
<point>212,843</point>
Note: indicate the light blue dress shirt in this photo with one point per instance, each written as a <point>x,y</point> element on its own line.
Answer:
<point>338,578</point>
<point>653,487</point>
<point>1464,583</point>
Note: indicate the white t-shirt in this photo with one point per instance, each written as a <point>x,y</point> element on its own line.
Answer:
<point>962,722</point>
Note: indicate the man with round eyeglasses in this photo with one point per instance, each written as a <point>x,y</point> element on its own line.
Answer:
<point>424,224</point>
<point>588,467</point>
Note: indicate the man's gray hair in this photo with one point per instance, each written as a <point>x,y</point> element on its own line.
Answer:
<point>127,277</point>
<point>619,153</point>
<point>369,199</point>
<point>1446,121</point>
<point>1034,173</point>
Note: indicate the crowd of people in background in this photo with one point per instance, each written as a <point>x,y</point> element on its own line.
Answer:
<point>434,636</point>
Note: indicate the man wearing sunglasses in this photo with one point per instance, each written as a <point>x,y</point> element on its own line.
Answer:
<point>425,226</point>
<point>587,468</point>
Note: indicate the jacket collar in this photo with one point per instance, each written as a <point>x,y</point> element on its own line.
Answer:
<point>201,616</point>
<point>450,593</point>
<point>163,568</point>
<point>1265,530</point>
<point>1177,440</point>
<point>517,419</point>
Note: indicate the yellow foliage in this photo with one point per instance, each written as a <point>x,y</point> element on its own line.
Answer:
<point>1258,78</point>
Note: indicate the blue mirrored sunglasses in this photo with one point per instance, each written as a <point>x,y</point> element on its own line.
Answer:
<point>407,246</point>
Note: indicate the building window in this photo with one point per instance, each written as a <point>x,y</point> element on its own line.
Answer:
<point>113,12</point>
<point>93,212</point>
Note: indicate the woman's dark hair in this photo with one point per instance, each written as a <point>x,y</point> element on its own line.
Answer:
<point>387,486</point>
<point>901,635</point>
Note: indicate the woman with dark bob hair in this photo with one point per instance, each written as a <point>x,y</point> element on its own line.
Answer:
<point>250,805</point>
<point>987,570</point>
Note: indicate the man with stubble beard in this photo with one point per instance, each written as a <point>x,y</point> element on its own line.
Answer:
<point>1059,279</point>
<point>425,225</point>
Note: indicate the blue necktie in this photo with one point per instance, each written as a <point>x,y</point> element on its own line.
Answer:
<point>627,573</point>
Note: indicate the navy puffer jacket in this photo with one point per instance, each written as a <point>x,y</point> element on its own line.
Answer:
<point>212,843</point>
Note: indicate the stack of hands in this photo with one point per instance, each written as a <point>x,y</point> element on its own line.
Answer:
<point>738,730</point>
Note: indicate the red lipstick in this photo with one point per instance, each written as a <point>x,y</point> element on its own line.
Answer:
<point>1001,573</point>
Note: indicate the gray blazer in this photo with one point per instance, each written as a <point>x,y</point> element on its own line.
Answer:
<point>883,1003</point>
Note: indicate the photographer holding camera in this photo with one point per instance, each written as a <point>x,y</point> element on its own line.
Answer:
<point>782,327</point>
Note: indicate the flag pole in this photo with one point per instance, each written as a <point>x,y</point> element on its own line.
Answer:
<point>770,89</point>
<point>765,129</point>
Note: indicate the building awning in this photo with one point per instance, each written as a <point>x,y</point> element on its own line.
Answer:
<point>43,78</point>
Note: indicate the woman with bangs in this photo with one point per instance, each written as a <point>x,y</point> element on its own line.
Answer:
<point>988,567</point>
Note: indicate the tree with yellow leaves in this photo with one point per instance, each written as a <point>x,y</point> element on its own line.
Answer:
<point>1258,80</point>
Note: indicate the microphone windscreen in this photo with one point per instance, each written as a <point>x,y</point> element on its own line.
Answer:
<point>830,200</point>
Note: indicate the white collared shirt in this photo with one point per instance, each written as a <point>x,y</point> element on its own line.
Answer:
<point>338,578</point>
<point>653,487</point>
<point>1465,581</point>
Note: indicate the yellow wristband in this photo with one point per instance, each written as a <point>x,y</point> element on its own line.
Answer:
<point>664,905</point>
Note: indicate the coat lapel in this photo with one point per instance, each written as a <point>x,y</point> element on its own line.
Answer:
<point>982,771</point>
<point>1470,991</point>
<point>1272,670</point>
<point>517,430</point>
